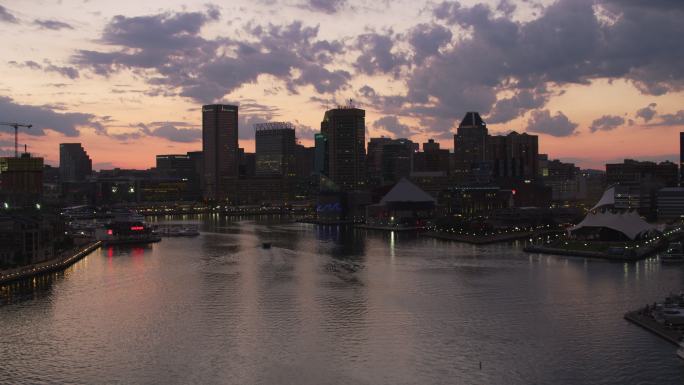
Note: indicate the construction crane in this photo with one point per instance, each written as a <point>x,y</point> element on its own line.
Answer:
<point>16,134</point>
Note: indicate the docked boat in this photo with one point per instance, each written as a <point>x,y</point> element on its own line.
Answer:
<point>674,253</point>
<point>126,229</point>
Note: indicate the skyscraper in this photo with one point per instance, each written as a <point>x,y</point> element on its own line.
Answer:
<point>220,150</point>
<point>320,154</point>
<point>388,160</point>
<point>470,139</point>
<point>681,158</point>
<point>345,130</point>
<point>275,149</point>
<point>74,163</point>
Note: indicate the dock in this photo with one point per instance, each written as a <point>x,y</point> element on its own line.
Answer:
<point>648,323</point>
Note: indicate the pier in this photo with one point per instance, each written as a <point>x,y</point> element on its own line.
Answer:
<point>49,266</point>
<point>664,319</point>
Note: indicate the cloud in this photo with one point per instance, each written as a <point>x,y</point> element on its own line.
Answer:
<point>43,118</point>
<point>376,54</point>
<point>607,123</point>
<point>52,24</point>
<point>103,166</point>
<point>6,16</point>
<point>174,132</point>
<point>676,119</point>
<point>524,100</point>
<point>542,122</point>
<point>183,61</point>
<point>392,125</point>
<point>70,72</point>
<point>647,113</point>
<point>568,42</point>
<point>326,6</point>
<point>427,39</point>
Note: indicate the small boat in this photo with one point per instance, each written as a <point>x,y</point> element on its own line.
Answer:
<point>266,245</point>
<point>680,352</point>
<point>674,253</point>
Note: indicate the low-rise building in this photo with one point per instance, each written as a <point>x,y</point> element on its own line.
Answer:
<point>671,203</point>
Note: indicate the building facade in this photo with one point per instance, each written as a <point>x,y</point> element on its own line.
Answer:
<point>220,151</point>
<point>21,180</point>
<point>345,131</point>
<point>275,149</point>
<point>74,163</point>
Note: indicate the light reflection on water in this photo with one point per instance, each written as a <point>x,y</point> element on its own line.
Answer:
<point>220,309</point>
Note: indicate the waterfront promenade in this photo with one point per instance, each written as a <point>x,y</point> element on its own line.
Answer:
<point>55,264</point>
<point>492,238</point>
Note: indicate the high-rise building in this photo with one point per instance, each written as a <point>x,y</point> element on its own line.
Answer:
<point>389,160</point>
<point>345,130</point>
<point>320,154</point>
<point>275,149</point>
<point>513,156</point>
<point>470,139</point>
<point>681,158</point>
<point>220,151</point>
<point>74,163</point>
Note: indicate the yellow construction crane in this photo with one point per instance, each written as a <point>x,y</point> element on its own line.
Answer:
<point>16,134</point>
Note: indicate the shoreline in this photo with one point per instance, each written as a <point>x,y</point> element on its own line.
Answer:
<point>638,254</point>
<point>475,240</point>
<point>49,266</point>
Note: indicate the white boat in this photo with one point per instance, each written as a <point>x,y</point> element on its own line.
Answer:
<point>680,352</point>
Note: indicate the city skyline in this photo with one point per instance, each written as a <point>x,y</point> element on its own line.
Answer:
<point>133,77</point>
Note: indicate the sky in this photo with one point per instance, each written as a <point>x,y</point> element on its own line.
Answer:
<point>597,80</point>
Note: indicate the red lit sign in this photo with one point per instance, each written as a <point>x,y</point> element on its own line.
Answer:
<point>110,232</point>
<point>137,228</point>
<point>513,191</point>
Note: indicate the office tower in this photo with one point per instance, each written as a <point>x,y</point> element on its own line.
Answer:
<point>681,158</point>
<point>389,160</point>
<point>432,159</point>
<point>345,130</point>
<point>176,166</point>
<point>304,163</point>
<point>513,156</point>
<point>470,139</point>
<point>74,163</point>
<point>320,154</point>
<point>220,151</point>
<point>374,159</point>
<point>275,149</point>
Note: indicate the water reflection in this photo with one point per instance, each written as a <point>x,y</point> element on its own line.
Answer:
<point>333,305</point>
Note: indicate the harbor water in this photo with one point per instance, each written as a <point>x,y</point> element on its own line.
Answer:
<point>328,305</point>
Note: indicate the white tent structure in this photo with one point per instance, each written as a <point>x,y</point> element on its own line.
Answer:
<point>607,199</point>
<point>628,223</point>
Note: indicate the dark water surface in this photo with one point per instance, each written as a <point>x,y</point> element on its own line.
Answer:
<point>219,309</point>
